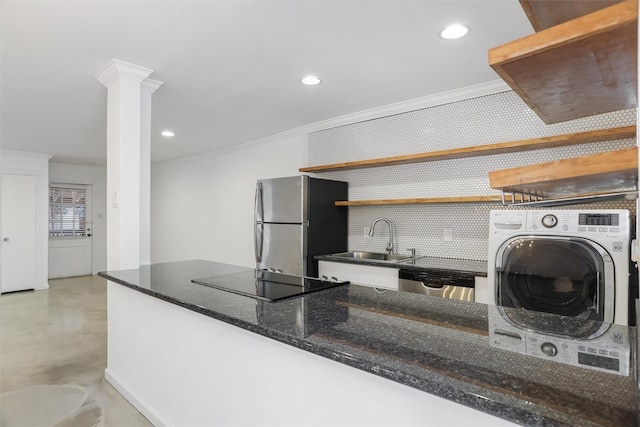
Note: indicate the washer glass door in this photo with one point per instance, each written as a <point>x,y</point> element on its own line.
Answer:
<point>564,276</point>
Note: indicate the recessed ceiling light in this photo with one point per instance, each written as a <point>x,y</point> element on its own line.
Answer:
<point>167,133</point>
<point>454,31</point>
<point>311,80</point>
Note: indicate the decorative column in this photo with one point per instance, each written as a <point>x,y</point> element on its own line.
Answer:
<point>148,87</point>
<point>126,124</point>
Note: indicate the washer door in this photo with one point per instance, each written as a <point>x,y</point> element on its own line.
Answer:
<point>571,277</point>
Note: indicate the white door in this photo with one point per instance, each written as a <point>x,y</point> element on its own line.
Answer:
<point>70,250</point>
<point>18,232</point>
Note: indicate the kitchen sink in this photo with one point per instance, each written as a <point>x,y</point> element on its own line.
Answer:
<point>374,256</point>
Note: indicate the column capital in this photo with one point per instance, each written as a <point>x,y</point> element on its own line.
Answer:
<point>115,69</point>
<point>150,85</point>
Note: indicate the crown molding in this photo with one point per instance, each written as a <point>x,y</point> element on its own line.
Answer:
<point>116,69</point>
<point>442,98</point>
<point>150,85</point>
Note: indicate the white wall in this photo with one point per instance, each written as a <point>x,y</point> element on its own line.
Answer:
<point>202,206</point>
<point>36,164</point>
<point>97,178</point>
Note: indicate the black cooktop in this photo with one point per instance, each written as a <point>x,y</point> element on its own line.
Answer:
<point>266,285</point>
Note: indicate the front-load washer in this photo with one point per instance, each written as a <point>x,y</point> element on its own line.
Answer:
<point>558,281</point>
<point>567,262</point>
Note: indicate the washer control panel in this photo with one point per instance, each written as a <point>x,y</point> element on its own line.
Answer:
<point>598,222</point>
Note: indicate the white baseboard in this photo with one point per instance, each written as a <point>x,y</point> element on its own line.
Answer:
<point>141,405</point>
<point>41,286</point>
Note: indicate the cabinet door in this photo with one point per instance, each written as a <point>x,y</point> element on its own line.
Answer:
<point>378,277</point>
<point>18,232</point>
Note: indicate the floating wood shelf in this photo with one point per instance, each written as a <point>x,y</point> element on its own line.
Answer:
<point>604,172</point>
<point>544,14</point>
<point>486,150</point>
<point>466,199</point>
<point>579,68</point>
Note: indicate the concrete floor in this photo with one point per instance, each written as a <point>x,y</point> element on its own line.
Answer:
<point>53,353</point>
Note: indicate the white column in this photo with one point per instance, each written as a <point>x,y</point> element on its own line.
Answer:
<point>148,87</point>
<point>124,127</point>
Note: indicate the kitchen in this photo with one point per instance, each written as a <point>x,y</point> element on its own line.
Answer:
<point>401,218</point>
<point>179,237</point>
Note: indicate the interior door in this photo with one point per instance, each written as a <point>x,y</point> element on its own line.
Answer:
<point>18,232</point>
<point>70,256</point>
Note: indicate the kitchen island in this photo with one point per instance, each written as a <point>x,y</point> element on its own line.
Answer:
<point>187,354</point>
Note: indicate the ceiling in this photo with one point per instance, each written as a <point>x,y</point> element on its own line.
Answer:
<point>231,69</point>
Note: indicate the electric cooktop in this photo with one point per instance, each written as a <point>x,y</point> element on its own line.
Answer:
<point>266,285</point>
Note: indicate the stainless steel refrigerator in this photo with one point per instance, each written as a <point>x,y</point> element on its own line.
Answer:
<point>295,220</point>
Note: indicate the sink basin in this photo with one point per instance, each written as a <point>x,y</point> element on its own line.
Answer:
<point>374,256</point>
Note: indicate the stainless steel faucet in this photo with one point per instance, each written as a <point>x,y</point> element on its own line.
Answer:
<point>390,244</point>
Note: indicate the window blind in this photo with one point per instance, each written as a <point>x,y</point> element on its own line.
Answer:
<point>67,212</point>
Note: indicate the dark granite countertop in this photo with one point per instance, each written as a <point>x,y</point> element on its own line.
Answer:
<point>436,345</point>
<point>453,266</point>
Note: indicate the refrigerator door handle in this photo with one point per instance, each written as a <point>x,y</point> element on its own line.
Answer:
<point>258,238</point>
<point>259,209</point>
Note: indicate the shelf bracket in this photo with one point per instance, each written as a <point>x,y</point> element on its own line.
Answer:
<point>533,200</point>
<point>519,198</point>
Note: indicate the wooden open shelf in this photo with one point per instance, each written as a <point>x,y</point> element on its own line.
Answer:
<point>466,199</point>
<point>485,150</point>
<point>544,14</point>
<point>578,68</point>
<point>604,172</point>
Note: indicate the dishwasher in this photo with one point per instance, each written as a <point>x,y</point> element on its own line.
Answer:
<point>444,284</point>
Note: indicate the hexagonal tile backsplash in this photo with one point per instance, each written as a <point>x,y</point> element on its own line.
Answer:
<point>490,119</point>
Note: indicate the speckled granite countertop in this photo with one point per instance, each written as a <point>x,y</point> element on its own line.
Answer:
<point>461,267</point>
<point>436,345</point>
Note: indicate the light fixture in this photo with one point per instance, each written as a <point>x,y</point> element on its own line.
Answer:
<point>454,31</point>
<point>167,133</point>
<point>311,80</point>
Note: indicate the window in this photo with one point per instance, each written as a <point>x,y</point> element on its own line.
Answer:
<point>67,212</point>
